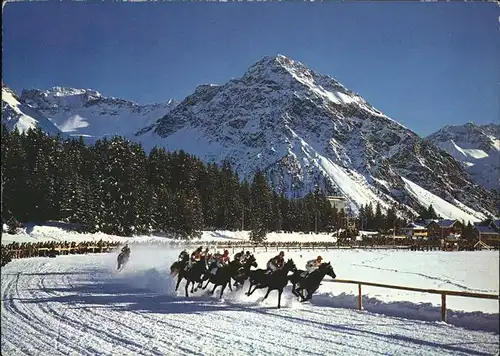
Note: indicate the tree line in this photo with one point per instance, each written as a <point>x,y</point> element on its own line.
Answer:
<point>115,187</point>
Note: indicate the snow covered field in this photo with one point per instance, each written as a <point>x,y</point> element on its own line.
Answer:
<point>80,305</point>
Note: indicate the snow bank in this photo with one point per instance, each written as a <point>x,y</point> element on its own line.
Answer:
<point>411,310</point>
<point>59,231</point>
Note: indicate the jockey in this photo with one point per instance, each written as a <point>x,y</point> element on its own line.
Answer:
<point>313,265</point>
<point>239,256</point>
<point>206,254</point>
<point>275,263</point>
<point>126,249</point>
<point>221,262</point>
<point>183,255</point>
<point>244,258</point>
<point>224,259</point>
<point>195,257</point>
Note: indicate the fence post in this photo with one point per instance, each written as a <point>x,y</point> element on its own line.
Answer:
<point>443,307</point>
<point>360,298</point>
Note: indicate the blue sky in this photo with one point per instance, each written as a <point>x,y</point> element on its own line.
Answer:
<point>425,65</point>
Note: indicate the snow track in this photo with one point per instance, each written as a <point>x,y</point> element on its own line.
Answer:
<point>78,305</point>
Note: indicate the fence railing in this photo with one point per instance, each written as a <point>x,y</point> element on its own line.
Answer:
<point>443,293</point>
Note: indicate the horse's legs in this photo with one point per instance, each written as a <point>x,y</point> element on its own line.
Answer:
<point>294,291</point>
<point>303,299</point>
<point>268,291</point>
<point>192,286</point>
<point>206,285</point>
<point>229,284</point>
<point>224,287</point>
<point>186,287</point>
<point>249,287</point>
<point>250,293</point>
<point>253,290</point>
<point>280,291</point>
<point>213,290</point>
<point>179,279</point>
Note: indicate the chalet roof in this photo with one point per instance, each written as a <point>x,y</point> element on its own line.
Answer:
<point>446,222</point>
<point>485,229</point>
<point>417,225</point>
<point>496,223</point>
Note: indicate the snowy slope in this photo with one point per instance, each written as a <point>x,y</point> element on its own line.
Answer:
<point>86,112</point>
<point>78,305</point>
<point>477,147</point>
<point>306,129</point>
<point>443,208</point>
<point>17,114</point>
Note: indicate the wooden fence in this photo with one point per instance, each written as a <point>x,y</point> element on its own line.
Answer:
<point>443,293</point>
<point>45,251</point>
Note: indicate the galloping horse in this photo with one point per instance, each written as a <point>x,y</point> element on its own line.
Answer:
<point>244,271</point>
<point>122,260</point>
<point>276,280</point>
<point>192,275</point>
<point>223,276</point>
<point>311,282</point>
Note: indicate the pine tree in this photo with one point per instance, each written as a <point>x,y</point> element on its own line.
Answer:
<point>260,195</point>
<point>379,218</point>
<point>431,213</point>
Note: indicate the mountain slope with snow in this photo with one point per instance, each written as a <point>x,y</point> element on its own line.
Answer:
<point>307,130</point>
<point>476,147</point>
<point>85,112</point>
<point>17,114</point>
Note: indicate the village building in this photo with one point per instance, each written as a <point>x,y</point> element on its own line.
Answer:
<point>488,235</point>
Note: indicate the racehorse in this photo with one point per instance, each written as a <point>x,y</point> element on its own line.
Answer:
<point>311,282</point>
<point>122,260</point>
<point>192,275</point>
<point>223,276</point>
<point>277,280</point>
<point>178,265</point>
<point>244,271</point>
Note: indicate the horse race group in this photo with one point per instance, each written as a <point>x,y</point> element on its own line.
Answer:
<point>218,269</point>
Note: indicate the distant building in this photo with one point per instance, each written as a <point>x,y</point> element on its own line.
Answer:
<point>444,229</point>
<point>418,229</point>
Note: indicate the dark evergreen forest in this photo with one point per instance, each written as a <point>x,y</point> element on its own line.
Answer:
<point>115,187</point>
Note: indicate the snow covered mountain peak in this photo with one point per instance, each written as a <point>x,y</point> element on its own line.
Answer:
<point>477,147</point>
<point>306,130</point>
<point>17,114</point>
<point>88,113</point>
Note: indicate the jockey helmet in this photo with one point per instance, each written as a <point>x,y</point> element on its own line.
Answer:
<point>248,253</point>
<point>226,252</point>
<point>319,259</point>
<point>282,253</point>
<point>199,248</point>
